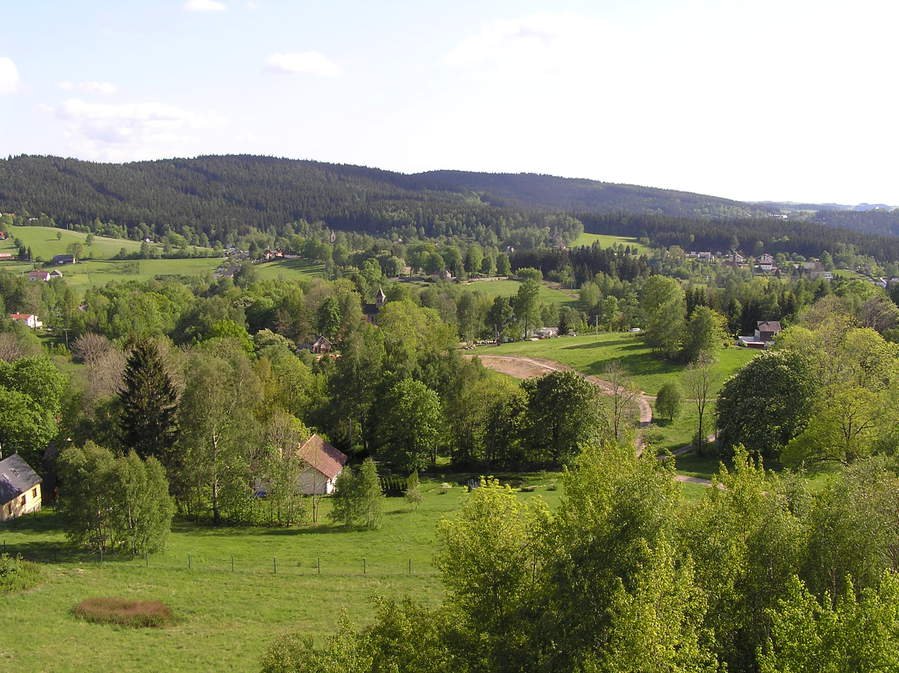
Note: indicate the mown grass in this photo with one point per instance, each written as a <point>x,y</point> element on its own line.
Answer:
<point>508,288</point>
<point>591,355</point>
<point>289,269</point>
<point>608,240</point>
<point>93,273</point>
<point>225,618</point>
<point>44,243</point>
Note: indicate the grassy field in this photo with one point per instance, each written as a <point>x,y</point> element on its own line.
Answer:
<point>99,272</point>
<point>508,288</point>
<point>289,269</point>
<point>44,243</point>
<point>591,354</point>
<point>225,618</point>
<point>607,240</point>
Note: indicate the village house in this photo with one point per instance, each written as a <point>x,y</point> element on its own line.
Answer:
<point>322,345</point>
<point>323,464</point>
<point>20,488</point>
<point>767,330</point>
<point>29,319</point>
<point>6,255</point>
<point>44,276</point>
<point>764,335</point>
<point>63,259</point>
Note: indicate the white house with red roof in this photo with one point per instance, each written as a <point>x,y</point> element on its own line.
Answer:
<point>323,464</point>
<point>29,319</point>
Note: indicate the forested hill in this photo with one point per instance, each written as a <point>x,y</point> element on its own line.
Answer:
<point>529,190</point>
<point>221,194</point>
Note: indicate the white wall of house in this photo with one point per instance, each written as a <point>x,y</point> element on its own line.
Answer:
<point>28,502</point>
<point>313,482</point>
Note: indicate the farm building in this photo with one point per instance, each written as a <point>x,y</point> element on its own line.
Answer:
<point>63,259</point>
<point>29,319</point>
<point>324,463</point>
<point>20,488</point>
<point>44,276</point>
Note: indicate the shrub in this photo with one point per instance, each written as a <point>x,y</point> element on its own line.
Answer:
<point>413,490</point>
<point>668,401</point>
<point>124,612</point>
<point>16,574</point>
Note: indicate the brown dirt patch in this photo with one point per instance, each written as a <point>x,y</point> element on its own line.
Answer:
<point>124,612</point>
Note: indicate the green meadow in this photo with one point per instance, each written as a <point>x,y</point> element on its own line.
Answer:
<point>591,354</point>
<point>44,243</point>
<point>289,269</point>
<point>225,618</point>
<point>508,288</point>
<point>608,240</point>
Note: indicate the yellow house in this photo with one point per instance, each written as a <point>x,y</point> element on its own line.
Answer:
<point>20,488</point>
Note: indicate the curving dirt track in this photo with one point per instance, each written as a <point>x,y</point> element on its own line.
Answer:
<point>524,368</point>
<point>521,367</point>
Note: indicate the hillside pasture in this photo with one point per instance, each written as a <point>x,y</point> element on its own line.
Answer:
<point>44,243</point>
<point>591,354</point>
<point>509,288</point>
<point>608,240</point>
<point>289,269</point>
<point>225,618</point>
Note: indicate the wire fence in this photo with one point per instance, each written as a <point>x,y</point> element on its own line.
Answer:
<point>294,565</point>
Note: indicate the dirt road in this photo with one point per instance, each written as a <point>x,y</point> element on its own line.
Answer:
<point>524,368</point>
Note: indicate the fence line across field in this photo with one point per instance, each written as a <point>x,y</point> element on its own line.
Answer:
<point>271,565</point>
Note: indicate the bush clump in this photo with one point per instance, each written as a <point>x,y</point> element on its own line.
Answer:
<point>17,574</point>
<point>124,612</point>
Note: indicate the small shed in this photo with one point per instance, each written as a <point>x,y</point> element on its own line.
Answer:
<point>324,463</point>
<point>20,488</point>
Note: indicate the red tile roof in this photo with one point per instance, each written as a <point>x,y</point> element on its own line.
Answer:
<point>322,456</point>
<point>20,316</point>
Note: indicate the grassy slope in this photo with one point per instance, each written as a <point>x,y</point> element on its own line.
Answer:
<point>508,288</point>
<point>607,240</point>
<point>225,619</point>
<point>99,272</point>
<point>44,244</point>
<point>289,269</point>
<point>590,354</point>
<point>100,268</point>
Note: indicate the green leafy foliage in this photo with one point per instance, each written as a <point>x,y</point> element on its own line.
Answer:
<point>16,574</point>
<point>114,503</point>
<point>358,497</point>
<point>766,403</point>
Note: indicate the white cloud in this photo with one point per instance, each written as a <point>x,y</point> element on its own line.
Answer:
<point>105,88</point>
<point>9,75</point>
<point>303,62</point>
<point>125,131</point>
<point>204,6</point>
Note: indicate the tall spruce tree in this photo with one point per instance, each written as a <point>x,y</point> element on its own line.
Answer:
<point>148,421</point>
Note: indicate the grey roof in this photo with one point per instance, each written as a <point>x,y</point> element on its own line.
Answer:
<point>16,477</point>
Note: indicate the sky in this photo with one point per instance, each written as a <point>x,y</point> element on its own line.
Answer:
<point>752,100</point>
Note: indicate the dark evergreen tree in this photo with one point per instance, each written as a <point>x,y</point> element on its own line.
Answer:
<point>149,404</point>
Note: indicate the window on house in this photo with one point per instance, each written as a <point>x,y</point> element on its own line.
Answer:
<point>34,493</point>
<point>22,500</point>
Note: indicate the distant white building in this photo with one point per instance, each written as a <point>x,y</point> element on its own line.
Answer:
<point>29,319</point>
